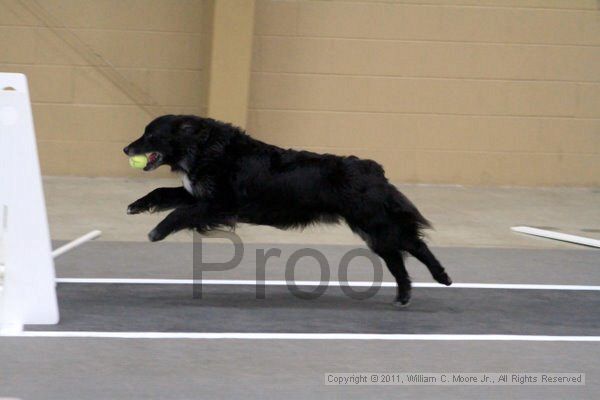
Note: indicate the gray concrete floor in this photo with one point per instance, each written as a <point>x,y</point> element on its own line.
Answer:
<point>82,369</point>
<point>472,239</point>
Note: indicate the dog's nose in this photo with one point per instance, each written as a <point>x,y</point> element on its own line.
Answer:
<point>126,150</point>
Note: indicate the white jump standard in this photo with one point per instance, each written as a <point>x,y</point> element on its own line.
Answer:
<point>27,295</point>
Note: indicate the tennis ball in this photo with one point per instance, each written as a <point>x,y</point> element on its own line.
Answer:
<point>138,162</point>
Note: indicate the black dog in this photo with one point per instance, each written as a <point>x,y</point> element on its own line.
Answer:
<point>229,177</point>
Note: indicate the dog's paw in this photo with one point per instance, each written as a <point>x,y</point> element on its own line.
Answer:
<point>155,235</point>
<point>132,210</point>
<point>443,278</point>
<point>137,207</point>
<point>401,304</point>
<point>402,299</point>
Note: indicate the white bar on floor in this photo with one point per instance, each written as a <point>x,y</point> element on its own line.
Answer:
<point>301,336</point>
<point>76,243</point>
<point>564,237</point>
<point>250,282</point>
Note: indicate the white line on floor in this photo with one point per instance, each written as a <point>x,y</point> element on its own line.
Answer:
<point>300,336</point>
<point>331,283</point>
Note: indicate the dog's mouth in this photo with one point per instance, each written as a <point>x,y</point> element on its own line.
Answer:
<point>155,160</point>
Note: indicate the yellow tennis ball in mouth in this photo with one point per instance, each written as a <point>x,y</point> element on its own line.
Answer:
<point>138,162</point>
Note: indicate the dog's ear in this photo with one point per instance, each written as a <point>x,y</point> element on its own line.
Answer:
<point>187,127</point>
<point>192,128</point>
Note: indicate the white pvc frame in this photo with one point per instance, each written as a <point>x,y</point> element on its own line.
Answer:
<point>564,237</point>
<point>28,295</point>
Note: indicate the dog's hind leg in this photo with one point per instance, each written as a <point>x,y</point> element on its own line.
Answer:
<point>395,263</point>
<point>161,199</point>
<point>418,249</point>
<point>410,223</point>
<point>385,245</point>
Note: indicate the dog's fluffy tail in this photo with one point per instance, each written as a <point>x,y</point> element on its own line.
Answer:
<point>406,213</point>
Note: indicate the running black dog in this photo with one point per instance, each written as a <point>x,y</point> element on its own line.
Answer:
<point>229,177</point>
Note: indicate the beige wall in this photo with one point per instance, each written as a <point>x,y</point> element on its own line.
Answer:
<point>230,59</point>
<point>82,119</point>
<point>468,91</point>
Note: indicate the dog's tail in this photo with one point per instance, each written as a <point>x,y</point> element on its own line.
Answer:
<point>406,213</point>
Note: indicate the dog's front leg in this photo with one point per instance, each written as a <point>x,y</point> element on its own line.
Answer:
<point>161,199</point>
<point>199,216</point>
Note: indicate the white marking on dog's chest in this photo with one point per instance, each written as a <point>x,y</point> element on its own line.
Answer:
<point>187,184</point>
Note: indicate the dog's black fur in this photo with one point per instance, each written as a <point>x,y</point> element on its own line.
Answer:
<point>230,177</point>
